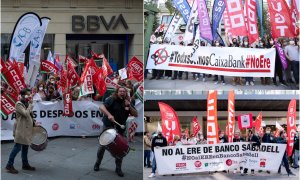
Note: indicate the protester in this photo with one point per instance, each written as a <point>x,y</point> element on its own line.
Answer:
<point>268,138</point>
<point>158,141</point>
<point>249,80</point>
<point>222,137</point>
<point>176,141</point>
<point>201,139</point>
<point>296,151</point>
<point>22,132</point>
<point>40,95</point>
<point>282,140</point>
<point>147,149</point>
<point>288,70</point>
<point>292,54</point>
<point>254,140</point>
<point>75,93</point>
<point>236,80</point>
<point>52,94</point>
<point>238,138</point>
<point>216,80</point>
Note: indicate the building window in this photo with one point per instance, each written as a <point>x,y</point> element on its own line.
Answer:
<point>166,19</point>
<point>48,44</point>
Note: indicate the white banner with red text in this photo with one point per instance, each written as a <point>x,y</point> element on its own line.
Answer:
<point>86,121</point>
<point>218,157</point>
<point>228,61</point>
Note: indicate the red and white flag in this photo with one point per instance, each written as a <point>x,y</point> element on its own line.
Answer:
<point>227,24</point>
<point>131,130</point>
<point>231,116</point>
<point>212,121</point>
<point>135,69</point>
<point>278,129</point>
<point>251,21</point>
<point>295,17</point>
<point>236,17</point>
<point>97,56</point>
<point>71,60</point>
<point>280,19</point>
<point>90,66</point>
<point>67,95</point>
<point>291,126</point>
<point>47,66</point>
<point>170,121</point>
<point>7,104</point>
<point>72,75</point>
<point>196,126</point>
<point>13,76</point>
<point>106,68</point>
<point>83,59</point>
<point>99,82</point>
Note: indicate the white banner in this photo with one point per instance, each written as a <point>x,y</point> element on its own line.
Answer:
<point>228,61</point>
<point>35,52</point>
<point>218,157</point>
<point>173,26</point>
<point>23,33</point>
<point>87,119</point>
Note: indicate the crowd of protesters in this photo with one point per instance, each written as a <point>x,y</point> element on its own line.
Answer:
<point>158,140</point>
<point>287,77</point>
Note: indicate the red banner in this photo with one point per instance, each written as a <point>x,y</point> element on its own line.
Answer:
<point>98,80</point>
<point>170,121</point>
<point>212,121</point>
<point>251,21</point>
<point>231,116</point>
<point>14,78</point>
<point>63,79</point>
<point>245,121</point>
<point>196,126</point>
<point>280,19</point>
<point>135,69</point>
<point>106,68</point>
<point>72,75</point>
<point>227,24</point>
<point>291,126</point>
<point>47,66</point>
<point>68,109</point>
<point>7,104</point>
<point>236,17</point>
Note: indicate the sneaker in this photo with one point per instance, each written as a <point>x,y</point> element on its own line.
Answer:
<point>173,78</point>
<point>234,171</point>
<point>252,83</point>
<point>152,175</point>
<point>169,78</point>
<point>28,167</point>
<point>152,78</point>
<point>275,83</point>
<point>283,84</point>
<point>119,172</point>
<point>11,169</point>
<point>247,83</point>
<point>223,83</point>
<point>217,82</point>
<point>197,79</point>
<point>166,77</point>
<point>203,80</point>
<point>96,167</point>
<point>252,173</point>
<point>157,78</point>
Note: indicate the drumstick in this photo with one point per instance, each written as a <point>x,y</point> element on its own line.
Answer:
<point>122,126</point>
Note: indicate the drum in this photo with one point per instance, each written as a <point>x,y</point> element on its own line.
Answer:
<point>39,138</point>
<point>116,144</point>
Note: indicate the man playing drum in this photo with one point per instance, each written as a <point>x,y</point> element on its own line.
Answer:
<point>22,132</point>
<point>116,109</point>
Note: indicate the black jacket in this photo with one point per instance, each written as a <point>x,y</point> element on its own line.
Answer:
<point>158,141</point>
<point>238,139</point>
<point>268,138</point>
<point>255,140</point>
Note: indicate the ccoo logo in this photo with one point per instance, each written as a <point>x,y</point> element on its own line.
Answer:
<point>197,164</point>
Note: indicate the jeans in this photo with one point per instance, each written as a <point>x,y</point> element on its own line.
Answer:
<point>285,163</point>
<point>295,67</point>
<point>296,158</point>
<point>147,158</point>
<point>249,79</point>
<point>153,164</point>
<point>16,149</point>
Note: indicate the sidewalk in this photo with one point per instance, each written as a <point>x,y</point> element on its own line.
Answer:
<point>190,84</point>
<point>73,158</point>
<point>224,176</point>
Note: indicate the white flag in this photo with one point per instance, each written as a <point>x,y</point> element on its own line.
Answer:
<point>189,30</point>
<point>173,26</point>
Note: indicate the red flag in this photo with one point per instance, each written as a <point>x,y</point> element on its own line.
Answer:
<point>7,104</point>
<point>63,79</point>
<point>68,109</point>
<point>257,122</point>
<point>91,64</point>
<point>14,77</point>
<point>47,66</point>
<point>227,24</point>
<point>97,56</point>
<point>212,121</point>
<point>280,19</point>
<point>295,17</point>
<point>135,69</point>
<point>106,68</point>
<point>196,126</point>
<point>251,21</point>
<point>170,121</point>
<point>278,129</point>
<point>231,116</point>
<point>236,17</point>
<point>71,60</point>
<point>72,75</point>
<point>83,59</point>
<point>291,126</point>
<point>98,80</point>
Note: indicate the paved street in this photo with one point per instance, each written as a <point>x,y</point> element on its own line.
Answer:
<point>224,176</point>
<point>190,84</point>
<point>70,158</point>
